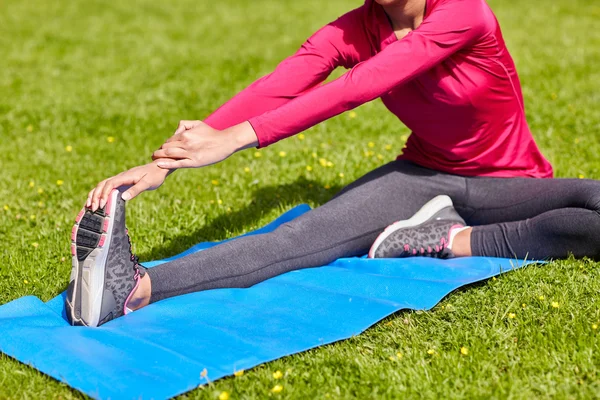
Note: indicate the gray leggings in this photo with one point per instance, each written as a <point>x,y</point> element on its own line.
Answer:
<point>511,217</point>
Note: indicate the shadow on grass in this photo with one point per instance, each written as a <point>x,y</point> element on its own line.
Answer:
<point>264,199</point>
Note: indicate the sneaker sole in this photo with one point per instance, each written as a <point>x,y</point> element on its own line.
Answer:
<point>90,244</point>
<point>430,208</point>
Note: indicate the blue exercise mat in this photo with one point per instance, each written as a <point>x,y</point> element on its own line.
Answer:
<point>160,351</point>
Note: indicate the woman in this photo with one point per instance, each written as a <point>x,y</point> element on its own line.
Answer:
<point>442,67</point>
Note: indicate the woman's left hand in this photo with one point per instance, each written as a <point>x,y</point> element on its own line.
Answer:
<point>195,147</point>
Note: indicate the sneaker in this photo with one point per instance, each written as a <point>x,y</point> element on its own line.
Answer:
<point>105,273</point>
<point>427,233</point>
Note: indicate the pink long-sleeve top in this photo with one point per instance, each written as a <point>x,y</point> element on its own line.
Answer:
<point>451,81</point>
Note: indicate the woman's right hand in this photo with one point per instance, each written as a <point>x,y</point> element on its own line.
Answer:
<point>136,180</point>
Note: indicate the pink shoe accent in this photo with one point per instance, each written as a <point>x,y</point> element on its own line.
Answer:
<point>74,232</point>
<point>137,284</point>
<point>422,250</point>
<point>79,216</point>
<point>415,252</point>
<point>406,248</point>
<point>105,226</point>
<point>429,249</point>
<point>108,204</point>
<point>102,240</point>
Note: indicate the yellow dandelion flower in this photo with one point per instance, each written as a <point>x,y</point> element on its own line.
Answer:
<point>239,373</point>
<point>399,355</point>
<point>204,373</point>
<point>40,190</point>
<point>246,169</point>
<point>512,315</point>
<point>523,305</point>
<point>301,136</point>
<point>110,139</point>
<point>341,174</point>
<point>35,245</point>
<point>314,155</point>
<point>541,298</point>
<point>309,168</point>
<point>323,162</point>
<point>580,176</point>
<point>391,358</point>
<point>277,389</point>
<point>464,351</point>
<point>220,201</point>
<point>31,183</point>
<point>329,164</point>
<point>277,374</point>
<point>282,154</point>
<point>388,147</point>
<point>69,148</point>
<point>25,281</point>
<point>555,304</point>
<point>352,114</point>
<point>6,207</point>
<point>32,217</point>
<point>379,157</point>
<point>29,128</point>
<point>257,154</point>
<point>214,182</point>
<point>371,144</point>
<point>404,138</point>
<point>224,396</point>
<point>327,187</point>
<point>431,352</point>
<point>594,326</point>
<point>60,182</point>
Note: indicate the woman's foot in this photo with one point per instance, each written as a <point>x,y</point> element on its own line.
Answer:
<point>430,232</point>
<point>105,273</point>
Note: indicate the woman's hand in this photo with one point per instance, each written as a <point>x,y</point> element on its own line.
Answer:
<point>137,180</point>
<point>202,145</point>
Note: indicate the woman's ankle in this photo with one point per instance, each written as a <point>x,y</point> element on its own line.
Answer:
<point>141,296</point>
<point>461,244</point>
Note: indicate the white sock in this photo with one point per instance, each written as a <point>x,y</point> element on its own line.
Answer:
<point>453,233</point>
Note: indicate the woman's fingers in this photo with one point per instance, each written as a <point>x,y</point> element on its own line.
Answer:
<point>185,163</point>
<point>185,125</point>
<point>96,195</point>
<point>136,189</point>
<point>118,181</point>
<point>170,152</point>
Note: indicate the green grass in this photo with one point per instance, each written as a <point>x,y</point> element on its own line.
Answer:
<point>75,73</point>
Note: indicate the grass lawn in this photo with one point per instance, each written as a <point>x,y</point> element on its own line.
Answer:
<point>88,89</point>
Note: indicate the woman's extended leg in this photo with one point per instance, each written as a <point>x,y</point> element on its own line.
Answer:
<point>534,218</point>
<point>345,226</point>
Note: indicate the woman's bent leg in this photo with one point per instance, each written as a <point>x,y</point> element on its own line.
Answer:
<point>345,226</point>
<point>534,218</point>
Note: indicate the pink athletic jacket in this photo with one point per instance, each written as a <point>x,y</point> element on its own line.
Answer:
<point>451,81</point>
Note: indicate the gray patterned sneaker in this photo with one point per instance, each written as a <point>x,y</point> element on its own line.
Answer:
<point>427,233</point>
<point>105,273</point>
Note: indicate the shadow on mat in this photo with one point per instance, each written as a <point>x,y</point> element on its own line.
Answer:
<point>264,199</point>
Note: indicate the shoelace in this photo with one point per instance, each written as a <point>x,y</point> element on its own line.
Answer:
<point>134,259</point>
<point>431,252</point>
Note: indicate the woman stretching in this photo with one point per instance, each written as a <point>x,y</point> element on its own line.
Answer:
<point>441,66</point>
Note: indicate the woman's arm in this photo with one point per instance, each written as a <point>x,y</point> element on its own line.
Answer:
<point>226,131</point>
<point>452,26</point>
